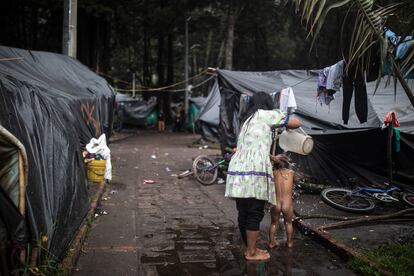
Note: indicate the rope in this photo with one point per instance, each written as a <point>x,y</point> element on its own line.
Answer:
<point>144,88</point>
<point>302,81</point>
<point>171,90</point>
<point>14,58</point>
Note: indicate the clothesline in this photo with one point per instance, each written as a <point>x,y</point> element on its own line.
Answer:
<point>158,90</point>
<point>145,89</point>
<point>13,58</point>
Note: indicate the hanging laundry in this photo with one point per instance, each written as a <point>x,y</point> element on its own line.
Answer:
<point>334,78</point>
<point>287,101</point>
<point>402,46</point>
<point>329,82</point>
<point>400,50</point>
<point>397,139</point>
<point>391,117</point>
<point>324,96</point>
<point>351,82</point>
<point>323,76</point>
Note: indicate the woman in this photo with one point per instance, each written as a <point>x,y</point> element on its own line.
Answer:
<point>249,176</point>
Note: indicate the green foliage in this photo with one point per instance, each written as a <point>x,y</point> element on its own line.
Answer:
<point>394,257</point>
<point>46,263</point>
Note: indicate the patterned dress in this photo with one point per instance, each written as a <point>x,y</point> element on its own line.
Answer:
<point>250,170</point>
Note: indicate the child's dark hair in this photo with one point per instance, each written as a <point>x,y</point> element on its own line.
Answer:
<point>260,100</point>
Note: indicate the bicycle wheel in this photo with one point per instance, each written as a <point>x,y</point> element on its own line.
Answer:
<point>408,199</point>
<point>343,199</point>
<point>204,170</point>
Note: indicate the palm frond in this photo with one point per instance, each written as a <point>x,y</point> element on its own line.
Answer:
<point>369,20</point>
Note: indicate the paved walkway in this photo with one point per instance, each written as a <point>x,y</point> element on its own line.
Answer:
<point>178,227</point>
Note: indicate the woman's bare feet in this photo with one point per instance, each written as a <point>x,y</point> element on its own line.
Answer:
<point>289,244</point>
<point>257,249</point>
<point>259,255</point>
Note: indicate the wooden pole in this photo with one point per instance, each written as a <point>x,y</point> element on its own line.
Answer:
<point>367,219</point>
<point>22,185</point>
<point>389,149</point>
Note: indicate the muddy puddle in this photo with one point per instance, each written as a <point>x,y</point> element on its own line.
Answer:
<point>212,251</point>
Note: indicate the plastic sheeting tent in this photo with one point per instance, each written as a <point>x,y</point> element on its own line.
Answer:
<point>208,118</point>
<point>135,110</point>
<point>53,104</point>
<point>341,151</point>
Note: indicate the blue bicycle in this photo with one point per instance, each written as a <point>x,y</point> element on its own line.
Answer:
<point>362,199</point>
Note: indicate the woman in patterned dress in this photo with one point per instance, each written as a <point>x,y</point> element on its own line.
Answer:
<point>249,176</point>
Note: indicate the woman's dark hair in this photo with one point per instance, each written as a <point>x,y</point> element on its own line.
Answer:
<point>260,100</point>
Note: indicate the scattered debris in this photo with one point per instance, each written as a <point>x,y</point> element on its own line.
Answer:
<point>153,156</point>
<point>113,192</point>
<point>220,181</point>
<point>149,181</point>
<point>149,235</point>
<point>174,175</point>
<point>168,169</point>
<point>166,154</point>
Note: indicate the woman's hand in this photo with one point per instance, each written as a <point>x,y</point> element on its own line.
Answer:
<point>293,123</point>
<point>280,158</point>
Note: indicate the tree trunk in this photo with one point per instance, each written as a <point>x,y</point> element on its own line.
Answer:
<point>160,70</point>
<point>145,64</point>
<point>34,25</point>
<point>106,45</point>
<point>65,27</point>
<point>230,36</point>
<point>208,49</point>
<point>170,78</point>
<point>220,54</point>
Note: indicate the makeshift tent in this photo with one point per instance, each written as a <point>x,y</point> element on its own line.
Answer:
<point>208,118</point>
<point>53,104</point>
<point>195,103</point>
<point>341,151</point>
<point>136,111</point>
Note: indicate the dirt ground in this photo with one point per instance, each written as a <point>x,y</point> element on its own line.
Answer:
<point>177,226</point>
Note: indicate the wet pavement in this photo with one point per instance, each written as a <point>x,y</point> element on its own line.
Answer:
<point>177,226</point>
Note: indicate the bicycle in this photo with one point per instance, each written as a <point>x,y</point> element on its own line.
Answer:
<point>206,170</point>
<point>362,199</point>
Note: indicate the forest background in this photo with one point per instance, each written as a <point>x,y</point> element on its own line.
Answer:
<point>119,38</point>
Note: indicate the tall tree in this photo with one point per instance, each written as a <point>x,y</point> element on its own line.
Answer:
<point>234,10</point>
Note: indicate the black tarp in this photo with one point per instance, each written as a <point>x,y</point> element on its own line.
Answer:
<point>199,101</point>
<point>134,110</point>
<point>53,104</point>
<point>341,151</point>
<point>208,117</point>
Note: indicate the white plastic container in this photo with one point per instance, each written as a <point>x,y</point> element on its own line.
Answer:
<point>296,141</point>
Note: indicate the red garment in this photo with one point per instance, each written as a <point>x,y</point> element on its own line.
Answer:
<point>388,119</point>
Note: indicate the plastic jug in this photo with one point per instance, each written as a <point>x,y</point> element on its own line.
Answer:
<point>296,141</point>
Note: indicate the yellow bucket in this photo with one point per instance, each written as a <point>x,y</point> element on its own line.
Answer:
<point>96,170</point>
